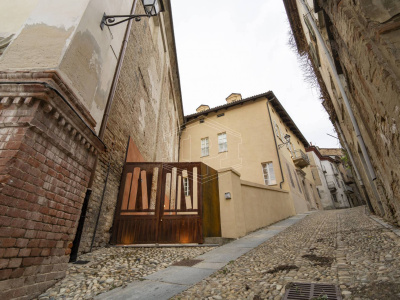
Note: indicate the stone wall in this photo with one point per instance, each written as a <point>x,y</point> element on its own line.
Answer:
<point>46,157</point>
<point>367,35</point>
<point>147,107</point>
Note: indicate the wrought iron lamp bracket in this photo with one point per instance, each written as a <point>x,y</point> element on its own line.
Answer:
<point>110,20</point>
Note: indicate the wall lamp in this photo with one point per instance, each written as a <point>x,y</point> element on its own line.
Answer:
<point>151,7</point>
<point>287,138</point>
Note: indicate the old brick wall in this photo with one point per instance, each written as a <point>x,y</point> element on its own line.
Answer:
<point>45,165</point>
<point>147,108</point>
<point>367,35</point>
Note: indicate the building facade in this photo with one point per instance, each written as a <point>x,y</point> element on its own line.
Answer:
<point>72,95</point>
<point>329,178</point>
<point>353,49</point>
<point>250,136</point>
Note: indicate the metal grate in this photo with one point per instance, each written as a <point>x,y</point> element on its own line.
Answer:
<point>308,291</point>
<point>187,262</point>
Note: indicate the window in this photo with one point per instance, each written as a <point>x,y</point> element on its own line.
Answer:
<point>220,115</point>
<point>269,174</point>
<point>186,186</point>
<point>204,147</point>
<point>222,142</point>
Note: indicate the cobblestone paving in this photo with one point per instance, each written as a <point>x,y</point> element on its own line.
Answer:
<point>343,247</point>
<point>116,266</point>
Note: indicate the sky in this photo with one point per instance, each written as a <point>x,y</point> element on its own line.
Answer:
<point>236,46</point>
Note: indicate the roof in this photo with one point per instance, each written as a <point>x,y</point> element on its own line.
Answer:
<point>280,110</point>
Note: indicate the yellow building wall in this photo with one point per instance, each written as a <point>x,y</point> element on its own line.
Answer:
<point>250,140</point>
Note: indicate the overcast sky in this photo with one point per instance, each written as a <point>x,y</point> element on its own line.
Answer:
<point>236,46</point>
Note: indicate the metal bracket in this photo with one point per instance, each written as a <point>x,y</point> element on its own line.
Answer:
<point>110,20</point>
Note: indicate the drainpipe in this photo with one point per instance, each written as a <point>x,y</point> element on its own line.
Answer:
<point>355,167</point>
<point>276,147</point>
<point>342,91</point>
<point>107,113</point>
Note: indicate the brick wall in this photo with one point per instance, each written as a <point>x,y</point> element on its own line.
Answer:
<point>45,164</point>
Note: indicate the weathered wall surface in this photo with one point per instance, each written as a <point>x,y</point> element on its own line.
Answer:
<point>147,107</point>
<point>65,37</point>
<point>363,40</point>
<point>367,34</point>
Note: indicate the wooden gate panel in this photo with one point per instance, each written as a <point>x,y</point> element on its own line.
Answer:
<point>137,212</point>
<point>159,203</point>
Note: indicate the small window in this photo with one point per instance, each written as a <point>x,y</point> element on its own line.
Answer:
<point>204,147</point>
<point>269,174</point>
<point>201,120</point>
<point>220,115</point>
<point>186,186</point>
<point>222,142</point>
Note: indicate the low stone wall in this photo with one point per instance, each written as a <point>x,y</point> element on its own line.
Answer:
<point>251,206</point>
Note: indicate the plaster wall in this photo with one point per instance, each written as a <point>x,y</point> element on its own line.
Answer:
<point>250,143</point>
<point>252,206</point>
<point>65,37</point>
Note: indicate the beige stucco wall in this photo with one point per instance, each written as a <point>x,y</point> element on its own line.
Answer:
<point>65,36</point>
<point>263,205</point>
<point>252,205</point>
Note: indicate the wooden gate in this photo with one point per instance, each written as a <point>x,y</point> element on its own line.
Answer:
<point>159,203</point>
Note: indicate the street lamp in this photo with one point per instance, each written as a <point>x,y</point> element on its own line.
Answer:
<point>287,138</point>
<point>151,8</point>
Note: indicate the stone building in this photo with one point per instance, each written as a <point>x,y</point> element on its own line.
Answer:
<point>250,136</point>
<point>72,94</point>
<point>353,48</point>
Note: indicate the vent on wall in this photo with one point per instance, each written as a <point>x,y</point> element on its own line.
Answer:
<point>221,115</point>
<point>201,120</point>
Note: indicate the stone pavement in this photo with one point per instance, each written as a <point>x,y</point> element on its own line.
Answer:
<point>343,247</point>
<point>113,267</point>
<point>175,279</point>
<point>358,252</point>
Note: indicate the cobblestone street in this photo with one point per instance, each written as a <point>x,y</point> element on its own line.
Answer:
<point>343,247</point>
<point>113,267</point>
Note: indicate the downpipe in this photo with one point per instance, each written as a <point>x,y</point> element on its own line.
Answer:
<point>276,147</point>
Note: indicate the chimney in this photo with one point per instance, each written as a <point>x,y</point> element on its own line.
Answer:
<point>233,97</point>
<point>202,107</point>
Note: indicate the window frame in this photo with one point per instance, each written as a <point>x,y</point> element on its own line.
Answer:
<point>267,171</point>
<point>223,143</point>
<point>206,146</point>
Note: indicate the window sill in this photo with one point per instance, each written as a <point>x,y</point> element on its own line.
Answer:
<point>222,151</point>
<point>204,155</point>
